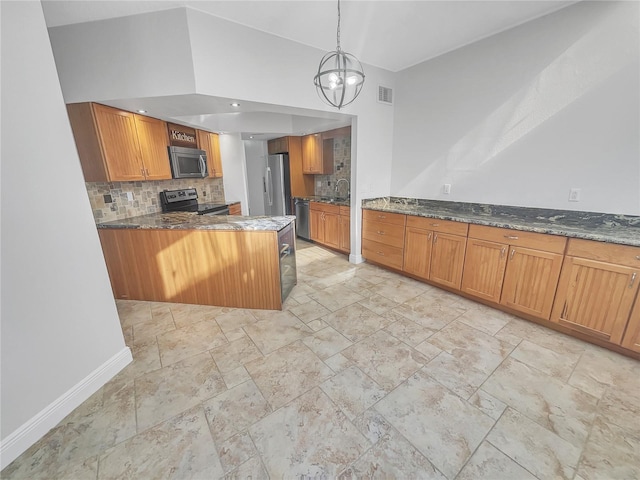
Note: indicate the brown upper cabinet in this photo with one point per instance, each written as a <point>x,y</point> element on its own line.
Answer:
<point>597,288</point>
<point>278,145</point>
<point>518,269</point>
<point>301,185</point>
<point>114,145</point>
<point>317,154</point>
<point>210,143</point>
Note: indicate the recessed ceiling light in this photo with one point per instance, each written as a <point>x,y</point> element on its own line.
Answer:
<point>141,111</point>
<point>234,104</point>
<point>250,136</point>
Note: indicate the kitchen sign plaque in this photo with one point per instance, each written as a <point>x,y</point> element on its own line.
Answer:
<point>181,136</point>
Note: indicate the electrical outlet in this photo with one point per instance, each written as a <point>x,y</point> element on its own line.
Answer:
<point>446,188</point>
<point>574,195</point>
<point>130,196</point>
<point>319,183</point>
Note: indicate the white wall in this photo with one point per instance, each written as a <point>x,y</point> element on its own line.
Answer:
<point>256,160</point>
<point>234,175</point>
<point>59,321</point>
<point>521,117</point>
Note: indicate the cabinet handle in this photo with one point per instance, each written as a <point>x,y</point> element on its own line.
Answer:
<point>435,224</point>
<point>633,279</point>
<point>142,171</point>
<point>435,239</point>
<point>503,251</point>
<point>380,232</point>
<point>637,257</point>
<point>429,236</point>
<point>564,311</point>
<point>382,216</point>
<point>513,252</point>
<point>146,172</point>
<point>380,253</point>
<point>511,237</point>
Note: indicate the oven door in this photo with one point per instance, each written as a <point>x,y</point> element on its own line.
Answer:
<point>188,162</point>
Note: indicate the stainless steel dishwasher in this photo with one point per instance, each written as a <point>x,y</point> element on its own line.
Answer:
<point>302,218</point>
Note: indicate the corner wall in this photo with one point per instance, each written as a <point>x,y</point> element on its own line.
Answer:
<point>61,337</point>
<point>522,117</point>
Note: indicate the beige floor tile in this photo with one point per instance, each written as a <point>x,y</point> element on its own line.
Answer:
<point>235,377</point>
<point>317,325</point>
<point>489,462</point>
<point>563,409</point>
<point>336,297</point>
<point>442,426</point>
<point>376,303</point>
<point>287,373</point>
<point>599,369</point>
<point>610,453</point>
<point>517,330</point>
<point>429,313</point>
<point>407,330</point>
<point>132,312</point>
<point>235,451</point>
<point>171,390</point>
<point>338,362</point>
<point>149,328</point>
<point>235,354</point>
<point>356,322</point>
<point>556,365</point>
<point>392,457</point>
<point>146,358</point>
<point>399,290</point>
<point>235,319</point>
<point>352,391</point>
<point>372,425</point>
<point>278,330</point>
<point>428,350</point>
<point>190,340</point>
<point>184,314</point>
<point>178,448</point>
<point>233,335</point>
<point>309,311</point>
<point>252,469</point>
<point>385,359</point>
<point>459,375</point>
<point>540,451</point>
<point>488,404</point>
<point>309,437</point>
<point>622,409</point>
<point>357,284</point>
<point>235,410</point>
<point>486,320</point>
<point>326,343</point>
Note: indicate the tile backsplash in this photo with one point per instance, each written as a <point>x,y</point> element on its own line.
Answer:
<point>341,169</point>
<point>109,201</point>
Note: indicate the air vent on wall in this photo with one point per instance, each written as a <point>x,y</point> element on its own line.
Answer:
<point>385,95</point>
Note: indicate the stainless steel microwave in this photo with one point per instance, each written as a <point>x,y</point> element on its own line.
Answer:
<point>188,162</point>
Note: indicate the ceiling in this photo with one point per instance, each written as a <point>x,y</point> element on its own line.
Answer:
<point>390,34</point>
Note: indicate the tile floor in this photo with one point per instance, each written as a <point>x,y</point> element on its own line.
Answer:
<point>365,374</point>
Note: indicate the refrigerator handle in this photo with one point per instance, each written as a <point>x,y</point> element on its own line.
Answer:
<point>269,186</point>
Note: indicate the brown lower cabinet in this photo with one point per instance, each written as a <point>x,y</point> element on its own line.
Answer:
<point>329,225</point>
<point>597,289</point>
<point>587,287</point>
<point>345,229</point>
<point>206,267</point>
<point>235,209</point>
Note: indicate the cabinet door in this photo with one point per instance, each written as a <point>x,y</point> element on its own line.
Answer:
<point>316,225</point>
<point>215,162</point>
<point>119,140</point>
<point>332,230</point>
<point>417,252</point>
<point>530,281</point>
<point>312,154</point>
<point>484,269</point>
<point>631,338</point>
<point>345,233</point>
<point>596,298</point>
<point>447,259</point>
<point>154,140</point>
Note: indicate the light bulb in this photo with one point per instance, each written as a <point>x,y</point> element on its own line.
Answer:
<point>351,80</point>
<point>333,78</point>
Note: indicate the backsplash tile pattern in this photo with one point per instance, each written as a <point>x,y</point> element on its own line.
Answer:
<point>341,169</point>
<point>146,197</point>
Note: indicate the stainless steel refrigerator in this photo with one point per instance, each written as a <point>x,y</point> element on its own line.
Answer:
<point>277,186</point>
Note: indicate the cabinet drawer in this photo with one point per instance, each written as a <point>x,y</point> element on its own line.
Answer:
<point>325,207</point>
<point>444,226</point>
<point>394,218</point>
<point>605,252</point>
<point>382,254</point>
<point>386,233</point>
<point>537,241</point>
<point>345,210</point>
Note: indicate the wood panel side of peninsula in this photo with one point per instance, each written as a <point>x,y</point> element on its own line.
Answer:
<point>206,267</point>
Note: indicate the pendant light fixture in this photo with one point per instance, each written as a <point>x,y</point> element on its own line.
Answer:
<point>340,76</point>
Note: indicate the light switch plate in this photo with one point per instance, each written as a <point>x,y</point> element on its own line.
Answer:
<point>574,195</point>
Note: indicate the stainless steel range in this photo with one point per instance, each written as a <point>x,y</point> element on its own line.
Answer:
<point>186,200</point>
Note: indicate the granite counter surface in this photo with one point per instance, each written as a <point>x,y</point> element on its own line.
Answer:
<point>329,200</point>
<point>193,221</point>
<point>602,227</point>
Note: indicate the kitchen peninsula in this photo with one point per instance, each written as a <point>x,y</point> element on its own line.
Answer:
<point>229,261</point>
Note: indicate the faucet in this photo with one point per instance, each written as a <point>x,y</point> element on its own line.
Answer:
<point>348,187</point>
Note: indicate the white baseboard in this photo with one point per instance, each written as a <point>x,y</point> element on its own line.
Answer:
<point>356,258</point>
<point>35,428</point>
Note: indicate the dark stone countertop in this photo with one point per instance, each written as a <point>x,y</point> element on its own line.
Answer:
<point>193,221</point>
<point>329,200</point>
<point>602,227</point>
